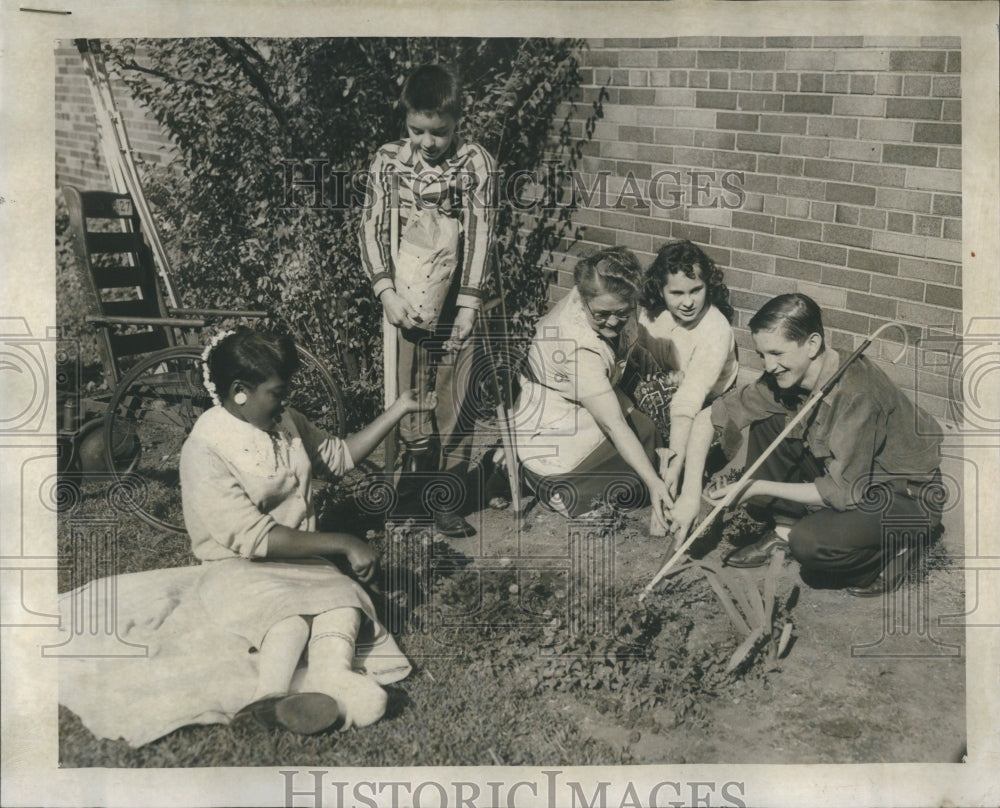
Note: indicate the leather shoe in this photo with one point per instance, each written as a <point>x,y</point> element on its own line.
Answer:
<point>880,586</point>
<point>302,713</point>
<point>450,524</point>
<point>890,579</point>
<point>758,553</point>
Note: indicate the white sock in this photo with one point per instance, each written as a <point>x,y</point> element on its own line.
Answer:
<point>331,652</point>
<point>279,656</point>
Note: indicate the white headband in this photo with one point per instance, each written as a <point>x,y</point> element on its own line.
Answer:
<point>205,375</point>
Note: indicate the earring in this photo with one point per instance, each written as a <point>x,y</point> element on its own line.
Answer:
<point>240,398</point>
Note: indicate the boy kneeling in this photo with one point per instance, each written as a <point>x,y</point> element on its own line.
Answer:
<point>865,455</point>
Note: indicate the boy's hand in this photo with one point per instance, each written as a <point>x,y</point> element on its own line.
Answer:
<point>719,493</point>
<point>460,331</point>
<point>411,401</point>
<point>397,311</point>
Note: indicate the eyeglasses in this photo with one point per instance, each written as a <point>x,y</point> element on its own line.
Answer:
<point>603,316</point>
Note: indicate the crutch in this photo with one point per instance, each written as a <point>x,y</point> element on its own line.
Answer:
<point>737,488</point>
<point>503,396</point>
<point>390,336</point>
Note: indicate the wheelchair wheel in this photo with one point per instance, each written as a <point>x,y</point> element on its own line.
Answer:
<point>152,412</point>
<point>150,415</point>
<point>315,394</point>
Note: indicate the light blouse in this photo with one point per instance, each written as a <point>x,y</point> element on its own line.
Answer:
<point>705,354</point>
<point>239,481</point>
<point>568,362</point>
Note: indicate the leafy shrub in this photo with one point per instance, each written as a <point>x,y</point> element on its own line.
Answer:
<point>236,108</point>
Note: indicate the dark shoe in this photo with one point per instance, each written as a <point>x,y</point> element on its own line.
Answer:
<point>450,524</point>
<point>302,713</point>
<point>891,578</point>
<point>880,586</point>
<point>307,713</point>
<point>758,553</point>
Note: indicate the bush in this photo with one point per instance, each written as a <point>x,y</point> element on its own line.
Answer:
<point>235,108</point>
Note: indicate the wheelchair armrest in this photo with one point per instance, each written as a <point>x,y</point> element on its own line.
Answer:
<point>173,322</point>
<point>220,313</point>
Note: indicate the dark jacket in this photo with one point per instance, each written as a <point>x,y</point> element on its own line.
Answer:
<point>865,428</point>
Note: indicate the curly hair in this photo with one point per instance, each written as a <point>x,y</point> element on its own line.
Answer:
<point>684,256</point>
<point>615,270</point>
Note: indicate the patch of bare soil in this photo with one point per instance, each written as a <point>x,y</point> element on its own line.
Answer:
<point>862,680</point>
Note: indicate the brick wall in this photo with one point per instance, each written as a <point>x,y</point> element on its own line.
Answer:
<point>850,155</point>
<point>79,160</point>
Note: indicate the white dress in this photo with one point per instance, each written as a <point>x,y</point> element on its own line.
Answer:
<point>237,482</point>
<point>180,648</point>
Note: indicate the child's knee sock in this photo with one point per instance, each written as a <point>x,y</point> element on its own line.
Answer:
<point>279,656</point>
<point>331,652</point>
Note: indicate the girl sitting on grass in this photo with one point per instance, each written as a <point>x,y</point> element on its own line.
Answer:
<point>684,323</point>
<point>246,472</point>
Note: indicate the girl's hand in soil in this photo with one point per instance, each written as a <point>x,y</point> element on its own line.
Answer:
<point>682,516</point>
<point>659,496</point>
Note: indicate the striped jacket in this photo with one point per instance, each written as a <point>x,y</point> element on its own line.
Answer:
<point>466,178</point>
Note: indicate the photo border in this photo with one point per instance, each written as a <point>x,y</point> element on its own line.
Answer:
<point>31,775</point>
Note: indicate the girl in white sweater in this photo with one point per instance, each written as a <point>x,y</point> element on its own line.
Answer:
<point>684,323</point>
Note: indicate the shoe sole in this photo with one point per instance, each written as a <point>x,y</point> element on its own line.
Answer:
<point>306,713</point>
<point>743,565</point>
<point>455,534</point>
<point>260,711</point>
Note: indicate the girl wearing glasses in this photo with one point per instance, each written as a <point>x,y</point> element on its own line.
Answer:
<point>684,323</point>
<point>580,439</point>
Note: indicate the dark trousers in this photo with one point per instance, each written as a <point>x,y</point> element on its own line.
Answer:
<point>841,548</point>
<point>602,476</point>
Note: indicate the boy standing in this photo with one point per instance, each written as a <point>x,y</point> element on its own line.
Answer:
<point>425,239</point>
